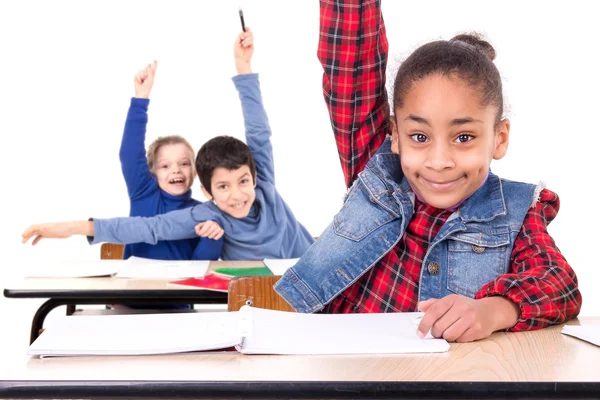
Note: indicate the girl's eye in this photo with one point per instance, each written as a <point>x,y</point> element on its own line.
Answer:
<point>419,138</point>
<point>244,181</point>
<point>185,163</point>
<point>222,187</point>
<point>164,166</point>
<point>464,137</point>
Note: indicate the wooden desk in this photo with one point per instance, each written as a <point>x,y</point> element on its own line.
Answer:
<point>60,291</point>
<point>539,364</point>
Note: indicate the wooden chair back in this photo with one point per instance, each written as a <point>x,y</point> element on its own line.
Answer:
<point>256,291</point>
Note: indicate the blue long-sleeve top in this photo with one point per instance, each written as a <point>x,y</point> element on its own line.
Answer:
<point>269,231</point>
<point>147,199</point>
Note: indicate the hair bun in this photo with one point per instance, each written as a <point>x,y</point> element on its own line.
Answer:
<point>478,42</point>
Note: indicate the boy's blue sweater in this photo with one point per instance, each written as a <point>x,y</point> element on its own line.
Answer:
<point>148,200</point>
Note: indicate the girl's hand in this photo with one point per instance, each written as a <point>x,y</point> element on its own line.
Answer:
<point>462,319</point>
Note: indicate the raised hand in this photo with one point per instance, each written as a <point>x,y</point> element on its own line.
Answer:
<point>243,50</point>
<point>209,229</point>
<point>144,80</point>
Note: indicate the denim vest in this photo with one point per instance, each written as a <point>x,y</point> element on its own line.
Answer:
<point>472,248</point>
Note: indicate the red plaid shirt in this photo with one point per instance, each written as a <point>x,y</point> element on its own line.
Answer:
<point>353,51</point>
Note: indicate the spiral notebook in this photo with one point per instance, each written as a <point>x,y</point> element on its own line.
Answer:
<point>250,330</point>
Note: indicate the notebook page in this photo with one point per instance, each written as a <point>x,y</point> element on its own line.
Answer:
<point>278,332</point>
<point>589,333</point>
<point>72,268</point>
<point>144,268</point>
<point>137,334</point>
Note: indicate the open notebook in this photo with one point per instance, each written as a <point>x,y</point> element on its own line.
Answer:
<point>134,267</point>
<point>250,331</point>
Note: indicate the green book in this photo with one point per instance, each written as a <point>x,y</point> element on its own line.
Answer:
<point>252,271</point>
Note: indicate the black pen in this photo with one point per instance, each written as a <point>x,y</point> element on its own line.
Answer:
<point>242,20</point>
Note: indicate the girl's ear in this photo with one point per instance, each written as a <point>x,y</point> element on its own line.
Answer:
<point>501,139</point>
<point>205,192</point>
<point>394,129</point>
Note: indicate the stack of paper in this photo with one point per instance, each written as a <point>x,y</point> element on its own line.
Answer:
<point>137,267</point>
<point>134,267</point>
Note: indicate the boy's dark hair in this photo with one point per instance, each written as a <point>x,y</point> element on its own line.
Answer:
<point>467,56</point>
<point>222,152</point>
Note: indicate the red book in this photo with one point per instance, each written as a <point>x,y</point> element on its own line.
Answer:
<point>214,282</point>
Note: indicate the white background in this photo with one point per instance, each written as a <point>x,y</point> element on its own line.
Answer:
<point>66,81</point>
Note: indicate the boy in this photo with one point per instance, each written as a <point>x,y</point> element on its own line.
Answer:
<point>245,203</point>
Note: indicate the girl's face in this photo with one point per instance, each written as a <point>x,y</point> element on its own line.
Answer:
<point>174,169</point>
<point>446,139</point>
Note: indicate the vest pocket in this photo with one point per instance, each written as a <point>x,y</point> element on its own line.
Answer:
<point>360,215</point>
<point>473,263</point>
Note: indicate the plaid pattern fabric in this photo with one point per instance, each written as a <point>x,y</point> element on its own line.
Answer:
<point>353,51</point>
<point>392,285</point>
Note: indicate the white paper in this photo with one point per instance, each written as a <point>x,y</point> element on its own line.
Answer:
<point>73,269</point>
<point>144,268</point>
<point>589,333</point>
<point>137,334</point>
<point>280,265</point>
<point>251,330</point>
<point>277,332</point>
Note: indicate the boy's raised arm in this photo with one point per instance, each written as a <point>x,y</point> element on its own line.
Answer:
<point>132,154</point>
<point>256,122</point>
<point>353,51</point>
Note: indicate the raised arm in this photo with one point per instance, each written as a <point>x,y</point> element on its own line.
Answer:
<point>138,178</point>
<point>256,123</point>
<point>353,52</point>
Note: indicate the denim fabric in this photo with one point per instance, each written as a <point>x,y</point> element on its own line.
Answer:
<point>472,248</point>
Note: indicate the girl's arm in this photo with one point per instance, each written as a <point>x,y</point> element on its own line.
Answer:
<point>353,51</point>
<point>542,283</point>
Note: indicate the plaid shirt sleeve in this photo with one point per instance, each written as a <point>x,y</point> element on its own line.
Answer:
<point>353,51</point>
<point>541,282</point>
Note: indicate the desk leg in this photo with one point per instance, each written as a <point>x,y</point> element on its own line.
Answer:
<point>40,316</point>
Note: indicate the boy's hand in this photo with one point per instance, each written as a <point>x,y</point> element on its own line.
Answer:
<point>243,49</point>
<point>209,229</point>
<point>144,80</point>
<point>58,230</point>
<point>462,319</point>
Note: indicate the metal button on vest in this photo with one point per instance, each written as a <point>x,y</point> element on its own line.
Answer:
<point>478,249</point>
<point>433,268</point>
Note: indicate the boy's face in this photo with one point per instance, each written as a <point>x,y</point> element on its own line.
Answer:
<point>232,190</point>
<point>446,140</point>
<point>174,168</point>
